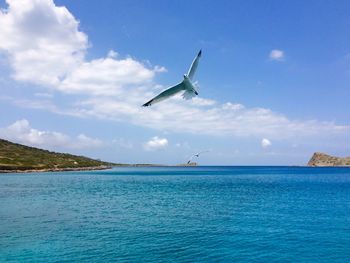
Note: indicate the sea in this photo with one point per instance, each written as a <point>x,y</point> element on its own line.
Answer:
<point>177,214</point>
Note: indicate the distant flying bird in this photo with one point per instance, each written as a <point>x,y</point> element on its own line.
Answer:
<point>195,155</point>
<point>190,89</point>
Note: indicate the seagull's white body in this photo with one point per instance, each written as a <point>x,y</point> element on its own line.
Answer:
<point>195,155</point>
<point>186,86</point>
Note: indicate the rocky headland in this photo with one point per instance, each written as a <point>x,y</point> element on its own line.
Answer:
<point>322,159</point>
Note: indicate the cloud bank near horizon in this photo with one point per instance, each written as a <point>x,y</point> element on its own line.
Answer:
<point>21,132</point>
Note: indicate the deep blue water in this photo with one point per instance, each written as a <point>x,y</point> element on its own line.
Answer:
<point>193,214</point>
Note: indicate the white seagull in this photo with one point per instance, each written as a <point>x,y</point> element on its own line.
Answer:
<point>196,155</point>
<point>190,89</point>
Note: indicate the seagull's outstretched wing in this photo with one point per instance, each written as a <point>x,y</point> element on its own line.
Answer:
<point>194,65</point>
<point>166,94</point>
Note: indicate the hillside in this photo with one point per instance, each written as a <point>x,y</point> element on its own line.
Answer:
<point>17,157</point>
<point>322,159</point>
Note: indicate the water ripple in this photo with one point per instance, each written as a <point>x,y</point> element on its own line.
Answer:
<point>196,214</point>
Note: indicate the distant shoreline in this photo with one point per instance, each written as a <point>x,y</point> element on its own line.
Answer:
<point>92,168</point>
<point>103,167</point>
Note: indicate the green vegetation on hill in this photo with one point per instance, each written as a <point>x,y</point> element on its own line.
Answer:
<point>15,156</point>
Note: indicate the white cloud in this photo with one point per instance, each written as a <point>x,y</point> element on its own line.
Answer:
<point>21,132</point>
<point>44,45</point>
<point>106,76</point>
<point>232,106</point>
<point>197,101</point>
<point>177,115</point>
<point>155,143</point>
<point>265,143</point>
<point>112,54</point>
<point>160,69</point>
<point>42,41</point>
<point>276,54</point>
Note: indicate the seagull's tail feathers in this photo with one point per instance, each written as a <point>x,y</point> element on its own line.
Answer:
<point>187,95</point>
<point>196,86</point>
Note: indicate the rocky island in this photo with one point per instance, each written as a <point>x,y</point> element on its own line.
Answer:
<point>20,158</point>
<point>322,159</point>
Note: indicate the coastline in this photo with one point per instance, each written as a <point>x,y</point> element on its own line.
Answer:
<point>105,167</point>
<point>91,168</point>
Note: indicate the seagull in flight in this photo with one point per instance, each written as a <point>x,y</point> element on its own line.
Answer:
<point>196,155</point>
<point>187,86</point>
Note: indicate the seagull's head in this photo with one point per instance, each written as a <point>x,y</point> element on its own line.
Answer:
<point>185,76</point>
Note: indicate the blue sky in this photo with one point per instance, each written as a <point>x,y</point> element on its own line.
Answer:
<point>273,79</point>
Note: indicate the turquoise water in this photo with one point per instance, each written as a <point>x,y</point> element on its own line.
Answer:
<point>193,214</point>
